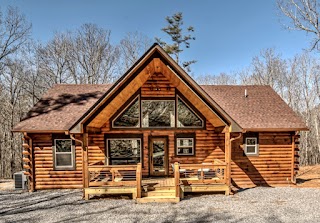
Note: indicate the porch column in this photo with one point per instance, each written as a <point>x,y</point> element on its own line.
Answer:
<point>228,154</point>
<point>85,177</point>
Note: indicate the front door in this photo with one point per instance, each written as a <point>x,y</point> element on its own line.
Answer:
<point>158,156</point>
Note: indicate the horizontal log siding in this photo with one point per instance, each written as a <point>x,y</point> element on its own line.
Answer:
<point>209,145</point>
<point>271,167</point>
<point>46,177</point>
<point>157,86</point>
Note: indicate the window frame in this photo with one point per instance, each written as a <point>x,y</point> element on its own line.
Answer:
<point>109,137</point>
<point>159,127</point>
<point>141,99</point>
<point>256,146</point>
<point>187,136</point>
<point>193,110</point>
<point>132,101</point>
<point>55,153</point>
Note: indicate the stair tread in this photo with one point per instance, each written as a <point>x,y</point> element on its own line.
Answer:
<point>158,199</point>
<point>153,197</point>
<point>160,191</point>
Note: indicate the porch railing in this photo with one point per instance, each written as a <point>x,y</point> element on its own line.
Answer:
<point>115,175</point>
<point>205,173</point>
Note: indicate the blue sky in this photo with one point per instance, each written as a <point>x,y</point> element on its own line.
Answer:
<point>228,33</point>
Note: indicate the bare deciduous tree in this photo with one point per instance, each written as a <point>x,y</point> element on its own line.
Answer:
<point>131,49</point>
<point>221,79</point>
<point>14,32</point>
<point>303,15</point>
<point>53,59</point>
<point>95,55</point>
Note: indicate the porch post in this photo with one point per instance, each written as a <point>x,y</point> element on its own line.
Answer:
<point>228,155</point>
<point>85,177</point>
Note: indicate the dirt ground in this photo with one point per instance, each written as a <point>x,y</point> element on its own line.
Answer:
<point>6,184</point>
<point>308,176</point>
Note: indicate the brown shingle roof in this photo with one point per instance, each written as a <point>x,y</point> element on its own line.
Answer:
<point>65,104</point>
<point>61,107</point>
<point>263,108</point>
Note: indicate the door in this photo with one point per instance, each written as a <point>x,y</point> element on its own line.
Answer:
<point>158,156</point>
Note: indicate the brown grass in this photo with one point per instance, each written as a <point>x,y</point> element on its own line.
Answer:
<point>309,176</point>
<point>6,184</point>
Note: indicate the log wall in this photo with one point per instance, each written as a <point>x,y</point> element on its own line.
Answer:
<point>45,175</point>
<point>209,145</point>
<point>271,167</point>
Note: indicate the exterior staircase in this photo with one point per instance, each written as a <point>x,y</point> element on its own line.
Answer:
<point>158,190</point>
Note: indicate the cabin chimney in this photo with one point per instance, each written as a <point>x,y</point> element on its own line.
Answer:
<point>245,93</point>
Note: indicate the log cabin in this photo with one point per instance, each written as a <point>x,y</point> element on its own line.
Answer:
<point>157,134</point>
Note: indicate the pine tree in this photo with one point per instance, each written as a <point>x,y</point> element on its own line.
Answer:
<point>179,38</point>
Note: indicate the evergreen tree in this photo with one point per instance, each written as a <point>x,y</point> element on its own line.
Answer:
<point>179,38</point>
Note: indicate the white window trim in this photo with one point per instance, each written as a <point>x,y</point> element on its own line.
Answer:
<point>255,146</point>
<point>179,146</point>
<point>195,113</point>
<point>55,154</point>
<point>121,112</point>
<point>159,127</point>
<point>109,139</point>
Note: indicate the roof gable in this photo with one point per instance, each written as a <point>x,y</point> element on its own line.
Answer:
<point>154,61</point>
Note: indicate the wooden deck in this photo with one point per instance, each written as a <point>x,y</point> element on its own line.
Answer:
<point>188,178</point>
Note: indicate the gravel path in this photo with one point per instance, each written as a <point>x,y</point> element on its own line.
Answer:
<point>252,205</point>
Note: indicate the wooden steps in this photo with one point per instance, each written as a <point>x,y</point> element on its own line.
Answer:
<point>158,190</point>
<point>159,193</point>
<point>206,188</point>
<point>158,200</point>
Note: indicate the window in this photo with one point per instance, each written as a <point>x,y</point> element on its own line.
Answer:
<point>130,117</point>
<point>123,151</point>
<point>64,154</point>
<point>155,113</point>
<point>185,144</point>
<point>158,113</point>
<point>251,146</point>
<point>187,117</point>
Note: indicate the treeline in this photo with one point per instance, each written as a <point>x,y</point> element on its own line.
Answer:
<point>28,68</point>
<point>296,80</point>
<point>88,55</point>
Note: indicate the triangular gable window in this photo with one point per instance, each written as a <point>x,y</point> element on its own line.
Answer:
<point>186,116</point>
<point>130,117</point>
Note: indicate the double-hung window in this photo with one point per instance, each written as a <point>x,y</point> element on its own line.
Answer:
<point>64,154</point>
<point>185,145</point>
<point>251,146</point>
